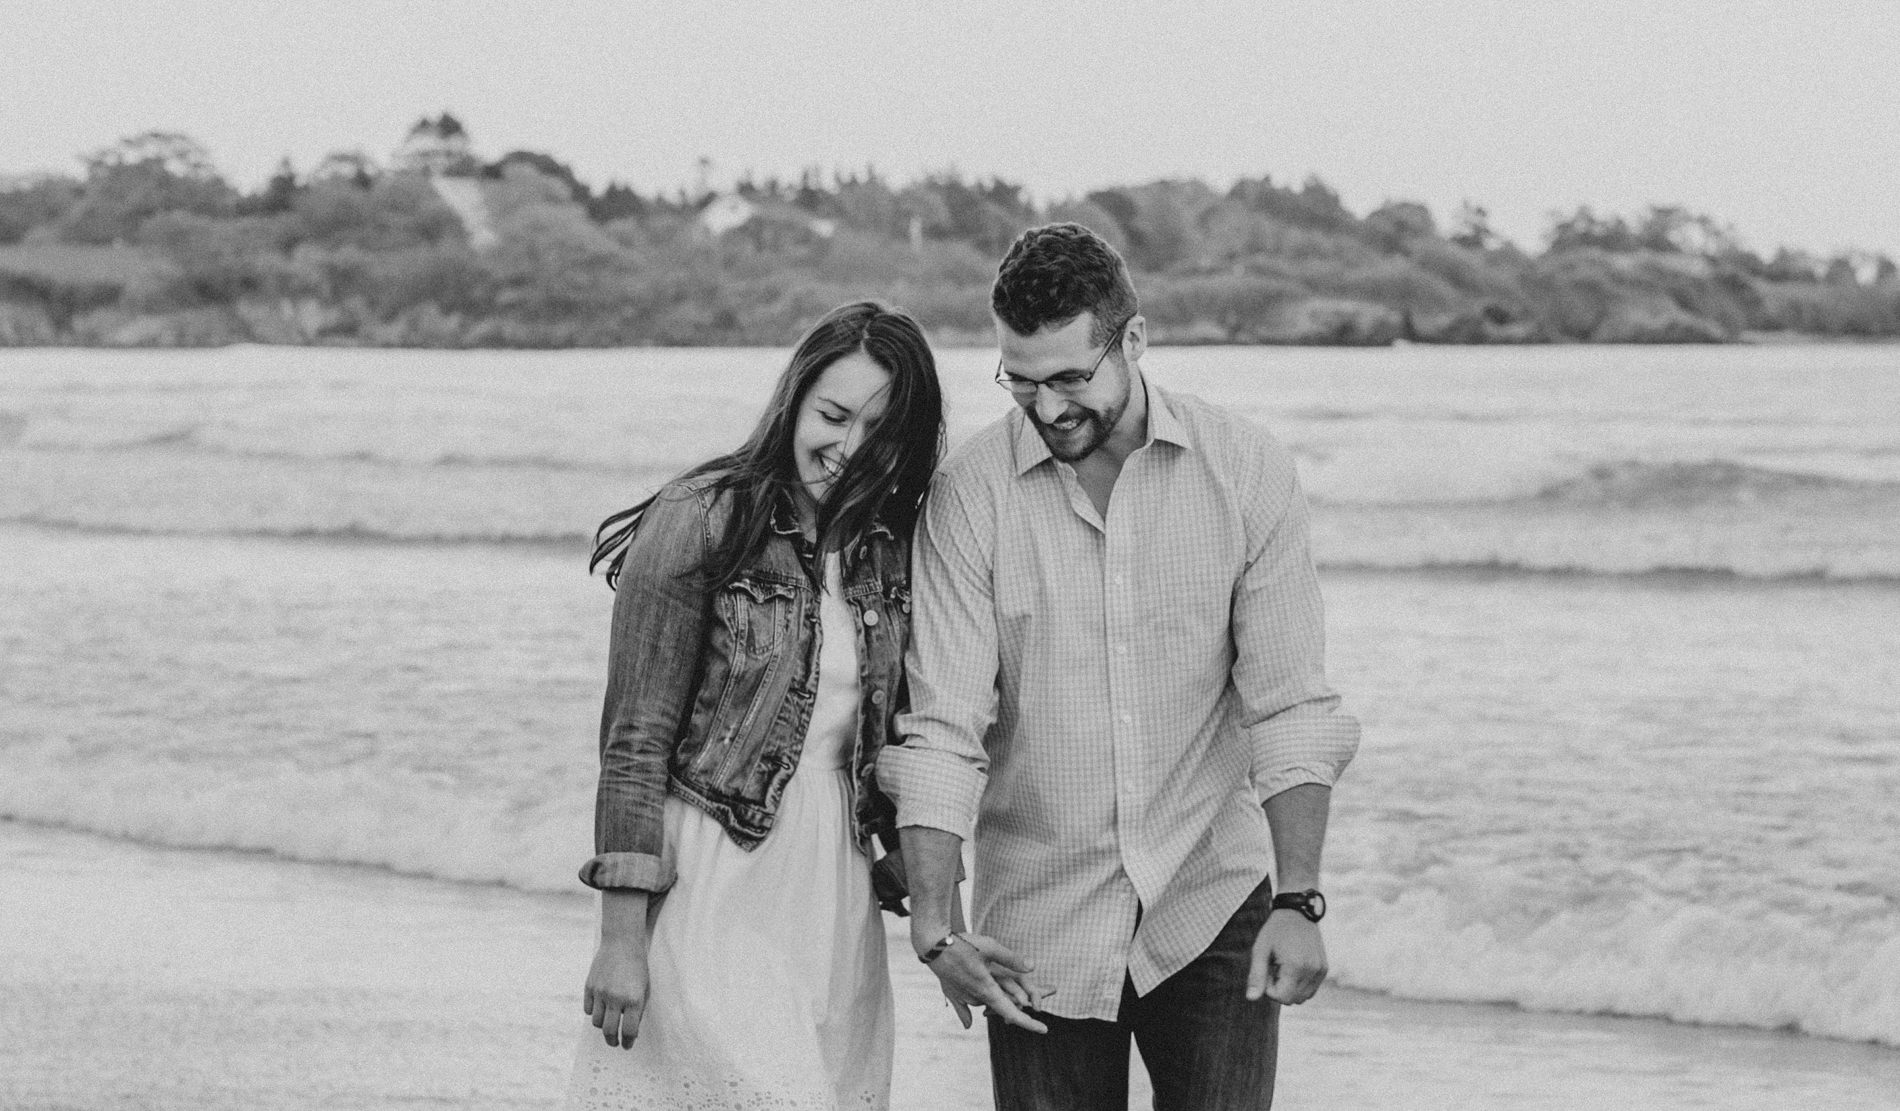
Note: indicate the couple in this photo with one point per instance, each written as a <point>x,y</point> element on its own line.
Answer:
<point>1102,664</point>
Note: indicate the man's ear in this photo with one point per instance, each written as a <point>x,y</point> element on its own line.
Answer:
<point>1137,337</point>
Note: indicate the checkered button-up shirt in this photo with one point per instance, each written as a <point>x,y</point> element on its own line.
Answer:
<point>1103,704</point>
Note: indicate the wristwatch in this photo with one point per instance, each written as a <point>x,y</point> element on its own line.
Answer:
<point>1309,903</point>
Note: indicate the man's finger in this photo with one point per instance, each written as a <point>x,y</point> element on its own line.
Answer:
<point>1002,1008</point>
<point>587,1001</point>
<point>1257,973</point>
<point>993,950</point>
<point>1018,995</point>
<point>963,1012</point>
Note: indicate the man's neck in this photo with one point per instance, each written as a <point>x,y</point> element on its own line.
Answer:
<point>1098,471</point>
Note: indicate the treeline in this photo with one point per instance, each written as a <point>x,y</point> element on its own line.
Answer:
<point>151,247</point>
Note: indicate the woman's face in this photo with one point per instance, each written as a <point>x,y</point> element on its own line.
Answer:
<point>837,414</point>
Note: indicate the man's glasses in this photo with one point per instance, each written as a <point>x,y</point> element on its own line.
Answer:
<point>1064,384</point>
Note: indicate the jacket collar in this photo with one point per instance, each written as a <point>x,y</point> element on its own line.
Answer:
<point>785,519</point>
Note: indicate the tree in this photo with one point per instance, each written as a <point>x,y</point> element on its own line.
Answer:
<point>616,202</point>
<point>350,166</point>
<point>1396,223</point>
<point>544,164</point>
<point>178,154</point>
<point>1474,228</point>
<point>278,196</point>
<point>1585,229</point>
<point>140,177</point>
<point>40,203</point>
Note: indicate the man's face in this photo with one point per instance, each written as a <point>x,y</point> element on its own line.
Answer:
<point>1072,424</point>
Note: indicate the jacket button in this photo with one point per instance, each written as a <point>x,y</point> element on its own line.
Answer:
<point>870,618</point>
<point>877,698</point>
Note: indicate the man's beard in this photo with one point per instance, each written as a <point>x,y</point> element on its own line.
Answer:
<point>1081,441</point>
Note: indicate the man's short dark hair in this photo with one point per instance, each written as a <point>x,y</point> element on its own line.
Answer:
<point>1057,272</point>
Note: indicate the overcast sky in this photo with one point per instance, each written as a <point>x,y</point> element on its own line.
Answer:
<point>1780,117</point>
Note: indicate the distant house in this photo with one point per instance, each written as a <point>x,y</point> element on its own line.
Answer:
<point>726,212</point>
<point>732,211</point>
<point>436,146</point>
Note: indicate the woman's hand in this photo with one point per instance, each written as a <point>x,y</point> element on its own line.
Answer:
<point>616,994</point>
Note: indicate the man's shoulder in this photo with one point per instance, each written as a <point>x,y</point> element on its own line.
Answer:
<point>1232,439</point>
<point>986,458</point>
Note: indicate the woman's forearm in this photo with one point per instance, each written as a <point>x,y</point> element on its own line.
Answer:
<point>623,915</point>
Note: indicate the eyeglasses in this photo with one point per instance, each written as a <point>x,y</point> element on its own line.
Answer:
<point>1064,384</point>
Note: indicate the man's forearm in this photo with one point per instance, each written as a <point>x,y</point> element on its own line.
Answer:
<point>1297,817</point>
<point>931,862</point>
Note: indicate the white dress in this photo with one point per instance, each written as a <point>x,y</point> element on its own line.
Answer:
<point>768,986</point>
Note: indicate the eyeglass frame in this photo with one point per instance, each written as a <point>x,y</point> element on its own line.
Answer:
<point>1015,385</point>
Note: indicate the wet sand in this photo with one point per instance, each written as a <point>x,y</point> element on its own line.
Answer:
<point>135,977</point>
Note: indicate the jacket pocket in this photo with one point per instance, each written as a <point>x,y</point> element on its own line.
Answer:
<point>758,615</point>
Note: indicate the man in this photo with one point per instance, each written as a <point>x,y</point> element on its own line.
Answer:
<point>1117,688</point>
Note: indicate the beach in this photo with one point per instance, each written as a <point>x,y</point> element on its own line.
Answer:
<point>170,979</point>
<point>302,676</point>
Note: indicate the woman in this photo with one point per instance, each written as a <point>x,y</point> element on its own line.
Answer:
<point>757,644</point>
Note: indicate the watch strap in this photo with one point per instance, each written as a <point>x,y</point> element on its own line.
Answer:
<point>1309,903</point>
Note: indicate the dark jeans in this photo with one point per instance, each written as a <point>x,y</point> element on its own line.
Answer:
<point>1205,1046</point>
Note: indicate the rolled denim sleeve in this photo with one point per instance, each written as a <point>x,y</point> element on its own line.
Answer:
<point>936,768</point>
<point>1292,718</point>
<point>654,656</point>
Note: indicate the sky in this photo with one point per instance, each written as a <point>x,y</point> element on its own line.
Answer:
<point>1780,118</point>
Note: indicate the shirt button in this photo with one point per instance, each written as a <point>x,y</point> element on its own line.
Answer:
<point>877,698</point>
<point>1121,649</point>
<point>1119,580</point>
<point>870,617</point>
<point>1128,719</point>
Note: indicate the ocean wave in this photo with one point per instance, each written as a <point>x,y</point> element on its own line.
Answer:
<point>1658,571</point>
<point>1641,484</point>
<point>403,820</point>
<point>1753,966</point>
<point>193,440</point>
<point>341,533</point>
<point>1756,965</point>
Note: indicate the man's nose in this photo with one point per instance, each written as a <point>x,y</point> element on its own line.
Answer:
<point>1049,404</point>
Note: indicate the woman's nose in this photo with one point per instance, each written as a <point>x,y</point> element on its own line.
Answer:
<point>853,436</point>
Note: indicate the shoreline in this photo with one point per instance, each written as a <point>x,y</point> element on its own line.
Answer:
<point>942,339</point>
<point>208,978</point>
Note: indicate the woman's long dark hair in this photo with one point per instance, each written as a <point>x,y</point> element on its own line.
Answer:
<point>883,481</point>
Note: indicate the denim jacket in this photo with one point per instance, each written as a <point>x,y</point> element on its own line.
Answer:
<point>709,693</point>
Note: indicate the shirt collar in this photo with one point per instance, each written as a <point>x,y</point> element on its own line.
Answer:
<point>1163,425</point>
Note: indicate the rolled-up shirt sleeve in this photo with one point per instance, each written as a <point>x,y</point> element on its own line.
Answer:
<point>937,768</point>
<point>653,660</point>
<point>1292,718</point>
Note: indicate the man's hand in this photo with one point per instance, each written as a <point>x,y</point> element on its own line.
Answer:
<point>979,971</point>
<point>1289,959</point>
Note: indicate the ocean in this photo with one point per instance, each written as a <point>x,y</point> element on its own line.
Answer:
<point>1623,626</point>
